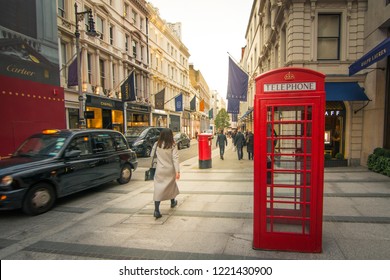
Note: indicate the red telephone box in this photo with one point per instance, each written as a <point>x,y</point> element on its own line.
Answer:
<point>289,160</point>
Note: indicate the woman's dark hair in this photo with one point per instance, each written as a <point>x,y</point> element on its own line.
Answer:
<point>166,139</point>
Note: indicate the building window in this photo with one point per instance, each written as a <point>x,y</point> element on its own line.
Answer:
<point>61,8</point>
<point>86,22</point>
<point>64,60</point>
<point>113,76</point>
<point>102,73</point>
<point>89,68</point>
<point>111,35</point>
<point>141,23</point>
<point>134,49</point>
<point>126,11</point>
<point>142,53</point>
<point>136,77</point>
<point>127,43</point>
<point>134,17</point>
<point>328,37</point>
<point>100,27</point>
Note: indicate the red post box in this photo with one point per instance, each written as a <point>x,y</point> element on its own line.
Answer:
<point>204,147</point>
<point>289,112</point>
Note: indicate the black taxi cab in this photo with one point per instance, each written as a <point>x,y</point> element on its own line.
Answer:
<point>57,163</point>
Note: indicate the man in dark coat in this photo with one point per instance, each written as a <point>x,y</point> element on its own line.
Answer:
<point>239,142</point>
<point>249,145</point>
<point>221,142</point>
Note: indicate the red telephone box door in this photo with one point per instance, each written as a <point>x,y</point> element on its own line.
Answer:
<point>288,183</point>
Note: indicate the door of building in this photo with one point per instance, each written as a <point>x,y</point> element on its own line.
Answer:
<point>107,118</point>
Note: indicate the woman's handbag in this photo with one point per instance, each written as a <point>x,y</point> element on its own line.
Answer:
<point>149,174</point>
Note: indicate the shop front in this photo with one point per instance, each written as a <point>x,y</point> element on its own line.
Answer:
<point>335,129</point>
<point>159,118</point>
<point>137,115</point>
<point>174,123</point>
<point>343,122</point>
<point>104,113</point>
<point>186,125</point>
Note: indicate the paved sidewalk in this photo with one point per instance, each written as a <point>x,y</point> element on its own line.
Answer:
<point>213,219</point>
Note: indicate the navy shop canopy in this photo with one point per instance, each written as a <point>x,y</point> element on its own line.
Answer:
<point>347,91</point>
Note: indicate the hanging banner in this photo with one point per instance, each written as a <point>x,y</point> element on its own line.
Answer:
<point>237,83</point>
<point>179,103</point>
<point>159,100</point>
<point>128,88</point>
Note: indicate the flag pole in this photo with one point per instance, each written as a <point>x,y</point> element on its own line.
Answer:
<point>172,98</point>
<point>238,64</point>
<point>68,62</point>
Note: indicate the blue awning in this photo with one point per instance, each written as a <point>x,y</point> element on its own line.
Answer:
<point>379,52</point>
<point>347,91</point>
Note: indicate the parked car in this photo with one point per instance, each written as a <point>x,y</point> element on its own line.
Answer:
<point>182,140</point>
<point>141,139</point>
<point>57,163</point>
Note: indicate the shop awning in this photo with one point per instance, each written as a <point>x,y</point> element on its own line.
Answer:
<point>347,91</point>
<point>246,114</point>
<point>378,53</point>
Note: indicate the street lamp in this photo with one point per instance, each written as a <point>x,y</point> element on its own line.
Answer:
<point>90,32</point>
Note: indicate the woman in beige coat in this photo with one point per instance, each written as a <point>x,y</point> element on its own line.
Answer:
<point>167,171</point>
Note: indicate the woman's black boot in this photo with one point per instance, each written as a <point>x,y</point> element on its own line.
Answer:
<point>157,213</point>
<point>173,203</point>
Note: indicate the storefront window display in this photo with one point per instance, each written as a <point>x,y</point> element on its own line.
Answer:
<point>137,115</point>
<point>95,119</point>
<point>159,120</point>
<point>334,128</point>
<point>104,118</point>
<point>117,120</point>
<point>73,118</point>
<point>137,119</point>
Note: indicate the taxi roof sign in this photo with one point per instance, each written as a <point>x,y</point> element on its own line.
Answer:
<point>50,131</point>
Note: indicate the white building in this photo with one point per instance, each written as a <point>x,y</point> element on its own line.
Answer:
<point>169,72</point>
<point>106,61</point>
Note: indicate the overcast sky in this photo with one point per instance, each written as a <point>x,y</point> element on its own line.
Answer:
<point>210,30</point>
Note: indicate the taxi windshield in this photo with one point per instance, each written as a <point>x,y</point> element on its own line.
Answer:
<point>41,146</point>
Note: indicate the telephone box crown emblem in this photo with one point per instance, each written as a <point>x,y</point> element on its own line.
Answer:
<point>289,76</point>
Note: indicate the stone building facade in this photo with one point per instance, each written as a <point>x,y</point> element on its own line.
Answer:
<point>120,48</point>
<point>325,36</point>
<point>132,38</point>
<point>169,71</point>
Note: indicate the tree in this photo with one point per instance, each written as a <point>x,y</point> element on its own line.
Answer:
<point>222,120</point>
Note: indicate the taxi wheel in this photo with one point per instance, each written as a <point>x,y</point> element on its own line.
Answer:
<point>39,199</point>
<point>125,174</point>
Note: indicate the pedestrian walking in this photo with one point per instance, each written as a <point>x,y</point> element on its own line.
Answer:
<point>234,133</point>
<point>221,142</point>
<point>167,171</point>
<point>239,141</point>
<point>249,144</point>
